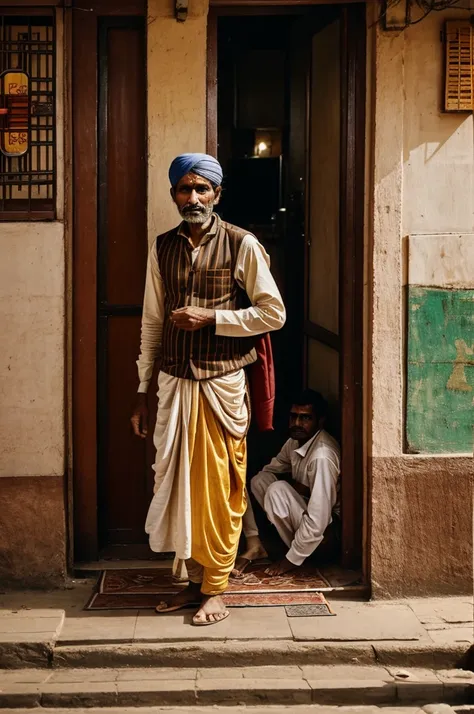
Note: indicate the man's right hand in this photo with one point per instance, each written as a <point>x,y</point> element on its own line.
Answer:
<point>139,417</point>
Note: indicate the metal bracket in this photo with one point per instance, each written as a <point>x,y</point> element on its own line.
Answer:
<point>181,10</point>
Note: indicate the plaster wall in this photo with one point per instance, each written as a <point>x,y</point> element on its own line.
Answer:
<point>438,147</point>
<point>422,184</point>
<point>177,59</point>
<point>32,384</point>
<point>32,403</point>
<point>32,354</point>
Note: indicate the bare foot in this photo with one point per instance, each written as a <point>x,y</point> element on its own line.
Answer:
<point>212,610</point>
<point>254,551</point>
<point>189,596</point>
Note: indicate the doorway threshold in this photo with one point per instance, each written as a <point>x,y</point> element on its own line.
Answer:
<point>342,584</point>
<point>95,566</point>
<point>124,557</point>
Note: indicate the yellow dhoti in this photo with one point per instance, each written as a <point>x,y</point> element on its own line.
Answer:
<point>218,501</point>
<point>200,471</point>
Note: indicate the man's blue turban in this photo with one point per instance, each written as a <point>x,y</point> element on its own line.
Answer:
<point>201,164</point>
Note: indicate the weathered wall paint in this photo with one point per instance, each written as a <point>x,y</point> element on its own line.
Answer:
<point>420,168</point>
<point>176,74</point>
<point>440,370</point>
<point>441,260</point>
<point>422,526</point>
<point>438,147</point>
<point>32,355</point>
<point>32,531</point>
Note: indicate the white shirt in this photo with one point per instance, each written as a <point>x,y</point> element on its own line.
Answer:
<point>316,464</point>
<point>252,273</point>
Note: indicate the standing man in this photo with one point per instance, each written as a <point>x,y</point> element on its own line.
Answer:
<point>208,292</point>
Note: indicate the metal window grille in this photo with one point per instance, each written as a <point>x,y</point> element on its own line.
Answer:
<point>459,91</point>
<point>27,117</point>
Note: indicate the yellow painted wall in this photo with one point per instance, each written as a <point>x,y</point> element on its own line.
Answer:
<point>177,55</point>
<point>32,354</point>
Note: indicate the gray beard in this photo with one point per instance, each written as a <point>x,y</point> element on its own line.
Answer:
<point>198,217</point>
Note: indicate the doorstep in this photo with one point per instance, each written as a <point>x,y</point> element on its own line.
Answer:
<point>41,629</point>
<point>278,685</point>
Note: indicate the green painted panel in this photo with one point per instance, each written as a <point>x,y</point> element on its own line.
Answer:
<point>440,395</point>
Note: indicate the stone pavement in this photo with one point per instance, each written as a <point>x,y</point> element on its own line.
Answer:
<point>44,628</point>
<point>331,685</point>
<point>269,709</point>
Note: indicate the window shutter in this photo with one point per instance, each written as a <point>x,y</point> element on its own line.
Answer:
<point>459,93</point>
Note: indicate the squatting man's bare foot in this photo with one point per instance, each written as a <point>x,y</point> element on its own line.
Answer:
<point>254,551</point>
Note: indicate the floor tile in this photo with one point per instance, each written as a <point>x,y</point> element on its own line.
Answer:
<point>83,675</point>
<point>360,623</point>
<point>339,672</point>
<point>104,628</point>
<point>157,673</point>
<point>243,624</point>
<point>30,624</point>
<point>451,636</point>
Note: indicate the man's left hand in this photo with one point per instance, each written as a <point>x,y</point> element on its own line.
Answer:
<point>280,568</point>
<point>193,318</point>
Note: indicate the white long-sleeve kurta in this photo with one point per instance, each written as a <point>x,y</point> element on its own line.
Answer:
<point>252,273</point>
<point>316,465</point>
<point>168,521</point>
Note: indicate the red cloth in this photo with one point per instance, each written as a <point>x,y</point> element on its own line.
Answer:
<point>261,376</point>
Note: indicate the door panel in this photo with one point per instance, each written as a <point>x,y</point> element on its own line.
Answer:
<point>326,200</point>
<point>124,476</point>
<point>125,488</point>
<point>112,476</point>
<point>122,70</point>
<point>324,179</point>
<point>323,376</point>
<point>323,225</point>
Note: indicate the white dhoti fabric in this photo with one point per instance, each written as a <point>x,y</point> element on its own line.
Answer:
<point>282,504</point>
<point>168,522</point>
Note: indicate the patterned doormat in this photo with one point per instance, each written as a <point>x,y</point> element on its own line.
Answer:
<point>139,589</point>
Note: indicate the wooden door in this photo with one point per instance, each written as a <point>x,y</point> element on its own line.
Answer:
<point>112,469</point>
<point>326,202</point>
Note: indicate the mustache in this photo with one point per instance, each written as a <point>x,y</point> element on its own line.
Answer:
<point>193,209</point>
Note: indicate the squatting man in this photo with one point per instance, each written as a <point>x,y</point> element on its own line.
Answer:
<point>208,292</point>
<point>298,490</point>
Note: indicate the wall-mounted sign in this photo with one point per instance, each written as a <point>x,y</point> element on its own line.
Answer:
<point>14,112</point>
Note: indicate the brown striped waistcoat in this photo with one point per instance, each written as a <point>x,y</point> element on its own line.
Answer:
<point>208,283</point>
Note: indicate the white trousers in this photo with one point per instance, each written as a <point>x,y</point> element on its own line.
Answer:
<point>282,504</point>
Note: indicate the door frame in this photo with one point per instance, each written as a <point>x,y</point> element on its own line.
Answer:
<point>85,228</point>
<point>352,190</point>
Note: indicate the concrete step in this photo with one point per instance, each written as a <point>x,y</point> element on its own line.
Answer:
<point>263,709</point>
<point>40,652</point>
<point>338,685</point>
<point>231,653</point>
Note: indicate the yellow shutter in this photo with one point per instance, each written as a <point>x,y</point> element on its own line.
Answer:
<point>459,92</point>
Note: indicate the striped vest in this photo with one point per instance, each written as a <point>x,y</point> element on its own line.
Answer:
<point>210,283</point>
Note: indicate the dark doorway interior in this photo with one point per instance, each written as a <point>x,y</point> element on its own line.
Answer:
<point>253,133</point>
<point>290,138</point>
